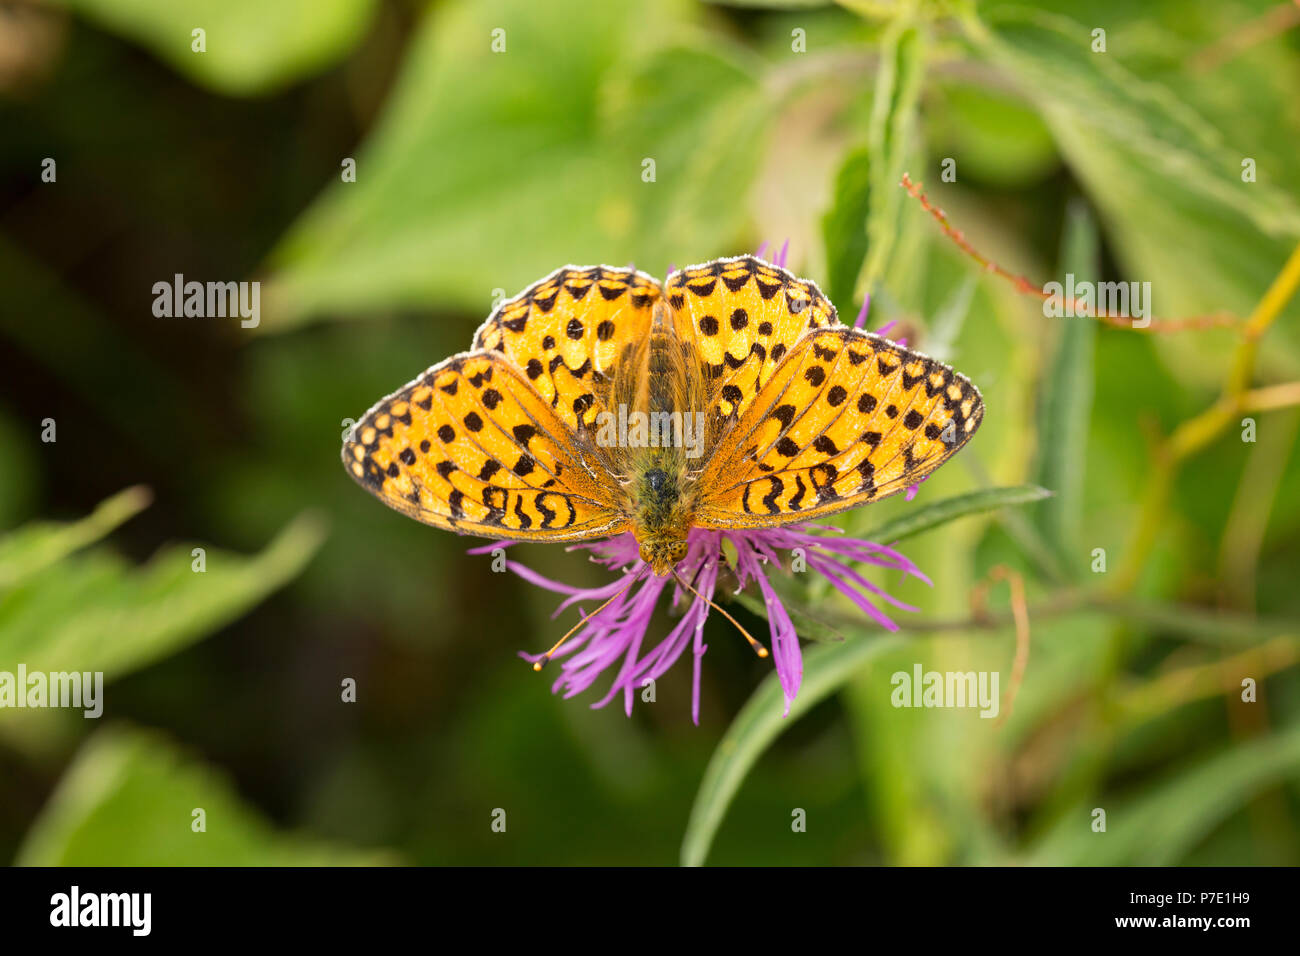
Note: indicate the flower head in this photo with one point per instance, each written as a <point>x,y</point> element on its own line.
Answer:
<point>616,636</point>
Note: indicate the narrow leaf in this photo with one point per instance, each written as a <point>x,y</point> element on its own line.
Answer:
<point>809,625</point>
<point>826,669</point>
<point>958,506</point>
<point>97,612</point>
<point>890,135</point>
<point>844,230</point>
<point>1066,400</point>
<point>28,550</point>
<point>1162,825</point>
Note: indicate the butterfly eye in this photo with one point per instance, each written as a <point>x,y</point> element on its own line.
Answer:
<point>661,553</point>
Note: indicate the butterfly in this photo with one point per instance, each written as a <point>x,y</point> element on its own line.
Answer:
<point>600,401</point>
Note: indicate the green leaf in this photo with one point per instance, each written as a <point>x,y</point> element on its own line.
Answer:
<point>810,625</point>
<point>129,800</point>
<point>950,509</point>
<point>844,229</point>
<point>948,319</point>
<point>1066,401</point>
<point>96,612</point>
<point>28,550</point>
<point>890,138</point>
<point>1163,824</point>
<point>1167,182</point>
<point>760,721</point>
<point>251,46</point>
<point>1052,56</point>
<point>486,173</point>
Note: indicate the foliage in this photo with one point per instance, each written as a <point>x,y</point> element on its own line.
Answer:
<point>480,169</point>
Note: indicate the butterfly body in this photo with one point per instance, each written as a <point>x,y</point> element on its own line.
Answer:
<point>664,390</point>
<point>599,401</point>
<point>660,513</point>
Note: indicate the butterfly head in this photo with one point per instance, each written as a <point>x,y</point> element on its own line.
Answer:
<point>660,513</point>
<point>663,554</point>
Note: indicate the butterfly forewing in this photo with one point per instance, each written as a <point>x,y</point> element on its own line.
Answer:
<point>568,332</point>
<point>472,447</point>
<point>742,316</point>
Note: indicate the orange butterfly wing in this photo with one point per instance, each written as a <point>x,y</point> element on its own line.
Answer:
<point>567,333</point>
<point>808,417</point>
<point>742,316</point>
<point>847,418</point>
<point>471,446</point>
<point>494,442</point>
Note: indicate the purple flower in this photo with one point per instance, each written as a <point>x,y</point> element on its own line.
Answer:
<point>861,320</point>
<point>615,637</point>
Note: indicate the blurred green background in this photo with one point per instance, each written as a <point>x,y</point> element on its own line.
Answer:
<point>496,140</point>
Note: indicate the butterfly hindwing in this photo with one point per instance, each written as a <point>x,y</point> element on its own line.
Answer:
<point>847,418</point>
<point>567,333</point>
<point>471,446</point>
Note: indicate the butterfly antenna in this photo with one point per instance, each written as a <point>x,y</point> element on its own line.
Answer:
<point>546,658</point>
<point>759,649</point>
